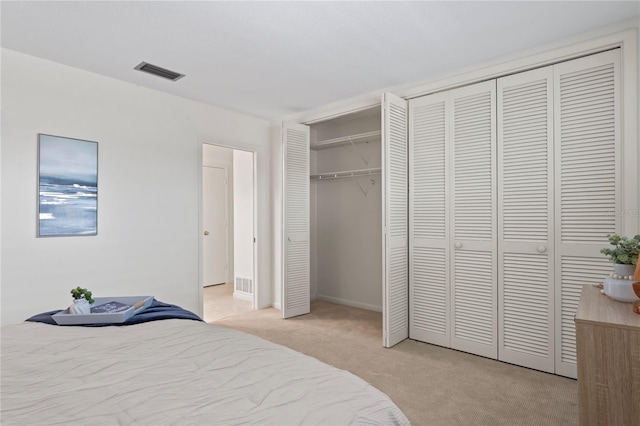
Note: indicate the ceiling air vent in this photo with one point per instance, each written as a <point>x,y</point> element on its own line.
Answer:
<point>160,72</point>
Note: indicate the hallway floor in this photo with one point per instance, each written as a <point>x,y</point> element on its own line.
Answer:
<point>219,303</point>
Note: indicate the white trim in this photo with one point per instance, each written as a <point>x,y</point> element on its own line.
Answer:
<point>243,296</point>
<point>348,302</point>
<point>254,298</point>
<point>200,161</point>
<point>629,126</point>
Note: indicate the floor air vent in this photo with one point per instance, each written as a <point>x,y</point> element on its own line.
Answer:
<point>159,71</point>
<point>244,285</point>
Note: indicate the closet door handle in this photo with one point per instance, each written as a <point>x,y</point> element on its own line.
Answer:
<point>458,245</point>
<point>542,249</point>
<point>288,238</point>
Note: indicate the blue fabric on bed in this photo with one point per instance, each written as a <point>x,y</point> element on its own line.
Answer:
<point>157,311</point>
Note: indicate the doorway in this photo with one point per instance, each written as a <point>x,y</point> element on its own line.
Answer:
<point>228,232</point>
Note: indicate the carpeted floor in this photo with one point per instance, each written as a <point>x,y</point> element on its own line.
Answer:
<point>430,384</point>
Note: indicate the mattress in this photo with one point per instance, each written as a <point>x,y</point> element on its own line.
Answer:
<point>174,372</point>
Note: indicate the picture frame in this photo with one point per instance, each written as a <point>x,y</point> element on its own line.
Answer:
<point>67,187</point>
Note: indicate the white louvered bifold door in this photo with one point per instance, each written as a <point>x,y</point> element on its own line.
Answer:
<point>587,182</point>
<point>429,219</point>
<point>395,265</point>
<point>474,243</point>
<point>525,220</point>
<point>296,269</point>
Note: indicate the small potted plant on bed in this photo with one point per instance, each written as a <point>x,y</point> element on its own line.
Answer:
<point>82,301</point>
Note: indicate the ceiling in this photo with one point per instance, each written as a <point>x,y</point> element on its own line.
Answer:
<point>272,59</point>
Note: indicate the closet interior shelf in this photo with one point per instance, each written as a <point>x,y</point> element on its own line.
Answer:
<point>346,140</point>
<point>347,174</point>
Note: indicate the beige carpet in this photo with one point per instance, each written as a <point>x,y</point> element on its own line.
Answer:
<point>430,384</point>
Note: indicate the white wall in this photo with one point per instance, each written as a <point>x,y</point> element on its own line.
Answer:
<point>218,156</point>
<point>243,213</point>
<point>149,179</point>
<point>347,214</point>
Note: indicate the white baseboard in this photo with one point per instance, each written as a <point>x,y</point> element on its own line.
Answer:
<point>242,296</point>
<point>349,303</point>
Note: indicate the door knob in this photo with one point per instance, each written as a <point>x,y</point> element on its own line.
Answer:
<point>206,232</point>
<point>458,245</point>
<point>542,249</point>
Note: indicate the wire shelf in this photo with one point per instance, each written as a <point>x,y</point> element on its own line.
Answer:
<point>346,140</point>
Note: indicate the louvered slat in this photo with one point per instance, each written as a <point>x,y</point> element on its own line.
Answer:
<point>524,180</point>
<point>296,268</point>
<point>473,167</point>
<point>398,291</point>
<point>575,273</point>
<point>428,171</point>
<point>429,291</point>
<point>588,181</point>
<point>473,182</point>
<point>591,92</point>
<point>473,299</point>
<point>428,220</point>
<point>397,172</point>
<point>395,213</point>
<point>530,301</point>
<point>525,219</point>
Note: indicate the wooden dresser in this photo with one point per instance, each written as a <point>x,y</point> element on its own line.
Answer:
<point>608,345</point>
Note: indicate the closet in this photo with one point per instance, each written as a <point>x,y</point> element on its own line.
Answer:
<point>487,217</point>
<point>513,188</point>
<point>345,225</point>
<point>346,210</point>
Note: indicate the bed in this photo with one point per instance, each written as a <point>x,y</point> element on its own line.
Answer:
<point>174,371</point>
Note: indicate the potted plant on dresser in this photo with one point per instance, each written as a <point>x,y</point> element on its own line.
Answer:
<point>624,256</point>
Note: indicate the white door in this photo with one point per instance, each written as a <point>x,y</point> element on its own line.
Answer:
<point>296,297</point>
<point>214,218</point>
<point>395,214</point>
<point>473,212</point>
<point>588,207</point>
<point>243,223</point>
<point>429,306</point>
<point>525,220</point>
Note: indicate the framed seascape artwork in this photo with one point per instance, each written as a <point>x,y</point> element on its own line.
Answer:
<point>67,186</point>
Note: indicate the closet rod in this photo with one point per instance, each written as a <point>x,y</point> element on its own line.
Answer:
<point>347,174</point>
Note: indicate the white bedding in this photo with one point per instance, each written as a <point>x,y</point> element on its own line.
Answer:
<point>176,372</point>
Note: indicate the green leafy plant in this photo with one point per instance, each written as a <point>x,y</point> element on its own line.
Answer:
<point>625,251</point>
<point>82,293</point>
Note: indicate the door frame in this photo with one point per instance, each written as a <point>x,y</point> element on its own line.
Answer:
<point>256,284</point>
<point>225,169</point>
